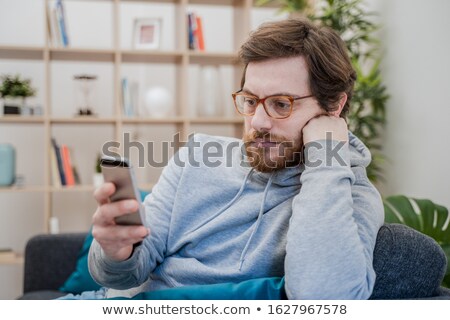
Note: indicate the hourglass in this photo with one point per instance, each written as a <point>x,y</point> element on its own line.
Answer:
<point>84,87</point>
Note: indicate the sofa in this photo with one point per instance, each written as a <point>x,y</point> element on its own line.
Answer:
<point>408,264</point>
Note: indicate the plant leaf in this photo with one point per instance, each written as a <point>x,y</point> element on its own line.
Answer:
<point>424,216</point>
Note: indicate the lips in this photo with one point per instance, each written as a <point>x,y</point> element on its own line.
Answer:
<point>262,143</point>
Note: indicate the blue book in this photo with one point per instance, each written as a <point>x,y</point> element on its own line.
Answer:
<point>191,30</point>
<point>62,22</point>
<point>59,161</point>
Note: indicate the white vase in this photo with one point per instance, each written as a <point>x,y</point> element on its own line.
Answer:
<point>97,180</point>
<point>209,92</point>
<point>158,102</point>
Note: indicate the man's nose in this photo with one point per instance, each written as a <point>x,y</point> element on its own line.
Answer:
<point>261,120</point>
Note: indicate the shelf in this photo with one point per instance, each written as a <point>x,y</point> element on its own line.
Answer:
<point>15,189</point>
<point>76,188</point>
<point>177,120</point>
<point>155,56</point>
<point>13,258</point>
<point>82,54</point>
<point>217,2</point>
<point>154,1</point>
<point>21,52</point>
<point>213,58</point>
<point>81,120</point>
<point>217,120</point>
<point>21,119</point>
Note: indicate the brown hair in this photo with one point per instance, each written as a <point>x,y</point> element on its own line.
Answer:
<point>330,69</point>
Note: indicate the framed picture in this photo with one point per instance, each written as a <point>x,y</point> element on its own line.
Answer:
<point>147,33</point>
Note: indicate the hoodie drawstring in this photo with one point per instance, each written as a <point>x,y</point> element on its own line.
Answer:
<point>257,223</point>
<point>228,204</point>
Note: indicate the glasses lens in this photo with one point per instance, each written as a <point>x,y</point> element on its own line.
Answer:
<point>246,104</point>
<point>279,106</point>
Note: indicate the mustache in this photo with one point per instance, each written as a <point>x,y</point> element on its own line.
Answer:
<point>266,137</point>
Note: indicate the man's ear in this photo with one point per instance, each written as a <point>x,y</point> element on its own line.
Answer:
<point>341,104</point>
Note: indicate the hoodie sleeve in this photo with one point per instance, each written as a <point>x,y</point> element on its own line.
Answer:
<point>333,228</point>
<point>146,256</point>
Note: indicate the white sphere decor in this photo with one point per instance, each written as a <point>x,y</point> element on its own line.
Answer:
<point>158,102</point>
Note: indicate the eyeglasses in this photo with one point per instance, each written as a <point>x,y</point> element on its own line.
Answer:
<point>277,107</point>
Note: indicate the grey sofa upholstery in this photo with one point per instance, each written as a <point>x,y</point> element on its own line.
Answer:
<point>50,259</point>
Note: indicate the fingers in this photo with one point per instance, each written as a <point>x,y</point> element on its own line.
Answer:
<point>322,127</point>
<point>102,193</point>
<point>106,213</point>
<point>120,235</point>
<point>117,241</point>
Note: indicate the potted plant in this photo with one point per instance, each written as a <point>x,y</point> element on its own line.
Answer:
<point>14,90</point>
<point>97,178</point>
<point>367,115</point>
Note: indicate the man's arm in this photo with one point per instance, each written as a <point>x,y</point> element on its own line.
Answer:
<point>333,228</point>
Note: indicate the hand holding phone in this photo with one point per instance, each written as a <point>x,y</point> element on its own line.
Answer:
<point>120,173</point>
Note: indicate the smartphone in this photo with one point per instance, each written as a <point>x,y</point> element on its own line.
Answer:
<point>120,172</point>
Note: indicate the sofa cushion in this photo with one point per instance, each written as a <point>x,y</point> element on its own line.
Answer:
<point>270,288</point>
<point>80,280</point>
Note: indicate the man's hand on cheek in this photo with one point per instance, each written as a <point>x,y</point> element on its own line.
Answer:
<point>318,127</point>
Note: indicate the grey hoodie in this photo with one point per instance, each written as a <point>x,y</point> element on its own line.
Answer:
<point>215,220</point>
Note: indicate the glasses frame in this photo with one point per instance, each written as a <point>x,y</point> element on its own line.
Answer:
<point>263,102</point>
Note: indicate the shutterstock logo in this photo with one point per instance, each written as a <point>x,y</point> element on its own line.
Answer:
<point>213,153</point>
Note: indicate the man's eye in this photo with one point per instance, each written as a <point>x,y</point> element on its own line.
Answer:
<point>282,104</point>
<point>249,101</point>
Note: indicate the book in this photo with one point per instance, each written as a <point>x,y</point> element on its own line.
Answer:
<point>50,30</point>
<point>56,178</point>
<point>67,165</point>
<point>191,30</point>
<point>195,32</point>
<point>134,98</point>
<point>199,34</point>
<point>56,33</point>
<point>126,98</point>
<point>59,162</point>
<point>62,22</point>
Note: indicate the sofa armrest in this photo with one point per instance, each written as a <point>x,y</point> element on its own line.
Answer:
<point>408,264</point>
<point>50,259</point>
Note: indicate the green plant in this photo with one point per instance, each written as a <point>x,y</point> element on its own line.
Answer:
<point>287,5</point>
<point>367,115</point>
<point>14,86</point>
<point>424,216</point>
<point>98,168</point>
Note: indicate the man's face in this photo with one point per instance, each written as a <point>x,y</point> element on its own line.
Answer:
<point>273,144</point>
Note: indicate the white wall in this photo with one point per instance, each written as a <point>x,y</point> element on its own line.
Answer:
<point>416,69</point>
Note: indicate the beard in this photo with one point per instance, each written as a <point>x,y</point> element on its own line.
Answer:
<point>268,152</point>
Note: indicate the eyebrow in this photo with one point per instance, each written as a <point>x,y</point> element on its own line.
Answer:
<point>274,94</point>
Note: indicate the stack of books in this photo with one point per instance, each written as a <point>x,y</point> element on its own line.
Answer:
<point>195,32</point>
<point>57,24</point>
<point>64,172</point>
